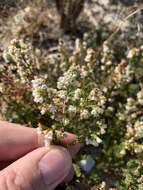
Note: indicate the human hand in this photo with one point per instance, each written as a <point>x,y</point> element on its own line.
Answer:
<point>26,165</point>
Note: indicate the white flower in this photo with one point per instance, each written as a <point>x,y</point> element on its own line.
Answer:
<point>89,55</point>
<point>37,95</point>
<point>140,97</point>
<point>103,184</point>
<point>131,53</point>
<point>92,95</point>
<point>2,87</point>
<point>130,106</point>
<point>77,94</point>
<point>65,80</point>
<point>106,48</point>
<point>109,63</point>
<point>77,46</point>
<point>123,152</point>
<point>141,101</point>
<point>83,72</point>
<point>84,114</point>
<point>62,94</point>
<point>61,83</point>
<point>52,109</point>
<point>38,88</point>
<point>102,101</point>
<point>72,109</point>
<point>103,67</point>
<point>98,140</point>
<point>139,149</point>
<point>37,82</point>
<point>66,122</point>
<point>138,129</point>
<point>48,138</point>
<point>94,112</point>
<point>43,110</point>
<point>102,131</point>
<point>38,99</point>
<point>130,101</point>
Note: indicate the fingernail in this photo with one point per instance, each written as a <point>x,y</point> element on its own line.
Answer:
<point>54,166</point>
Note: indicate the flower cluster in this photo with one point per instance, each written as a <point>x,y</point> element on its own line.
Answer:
<point>69,104</point>
<point>90,92</point>
<point>20,61</point>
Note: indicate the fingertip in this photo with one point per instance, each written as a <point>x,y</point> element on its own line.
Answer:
<point>74,149</point>
<point>68,138</point>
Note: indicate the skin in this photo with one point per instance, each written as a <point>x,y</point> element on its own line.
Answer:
<point>26,165</point>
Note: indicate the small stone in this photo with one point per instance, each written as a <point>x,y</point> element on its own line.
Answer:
<point>87,164</point>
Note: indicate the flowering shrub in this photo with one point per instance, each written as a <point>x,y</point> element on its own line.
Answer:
<point>96,93</point>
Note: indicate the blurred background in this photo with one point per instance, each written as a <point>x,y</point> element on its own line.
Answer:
<point>43,22</point>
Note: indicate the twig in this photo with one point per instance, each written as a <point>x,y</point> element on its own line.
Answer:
<point>120,25</point>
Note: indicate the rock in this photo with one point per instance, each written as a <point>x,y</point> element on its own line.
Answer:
<point>87,164</point>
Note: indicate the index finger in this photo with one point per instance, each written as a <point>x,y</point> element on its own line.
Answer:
<point>17,140</point>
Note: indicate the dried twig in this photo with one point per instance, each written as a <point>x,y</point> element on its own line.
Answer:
<point>122,22</point>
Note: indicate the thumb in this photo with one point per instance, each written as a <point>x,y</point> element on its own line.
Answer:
<point>43,169</point>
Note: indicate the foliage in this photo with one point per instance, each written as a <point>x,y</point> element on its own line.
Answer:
<point>94,92</point>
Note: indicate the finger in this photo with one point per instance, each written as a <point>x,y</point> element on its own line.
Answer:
<point>16,141</point>
<point>67,140</point>
<point>5,164</point>
<point>74,149</point>
<point>43,169</point>
<point>21,140</point>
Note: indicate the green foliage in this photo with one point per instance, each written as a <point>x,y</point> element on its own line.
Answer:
<point>88,91</point>
<point>77,170</point>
